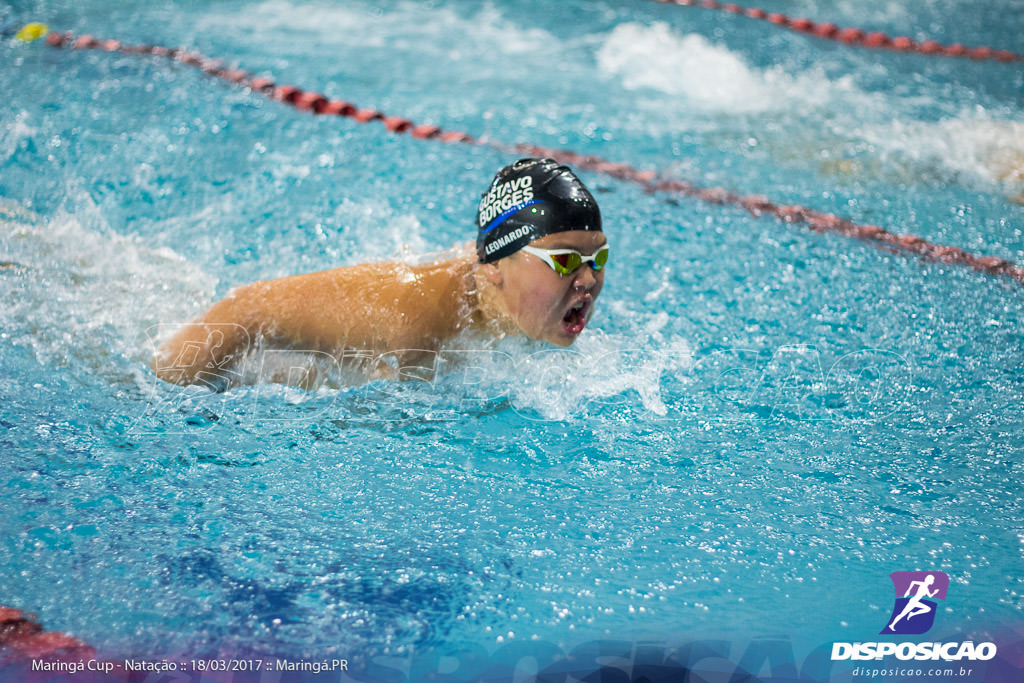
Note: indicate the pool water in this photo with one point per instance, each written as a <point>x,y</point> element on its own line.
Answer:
<point>759,425</point>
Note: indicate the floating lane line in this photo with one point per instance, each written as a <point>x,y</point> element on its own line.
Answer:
<point>652,181</point>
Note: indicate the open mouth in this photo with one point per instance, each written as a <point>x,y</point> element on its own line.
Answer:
<point>575,319</point>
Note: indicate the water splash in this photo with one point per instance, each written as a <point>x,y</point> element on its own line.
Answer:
<point>708,76</point>
<point>82,290</point>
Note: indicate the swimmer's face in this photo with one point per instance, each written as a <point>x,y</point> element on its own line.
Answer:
<point>543,304</point>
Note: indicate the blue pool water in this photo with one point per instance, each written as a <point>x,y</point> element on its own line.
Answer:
<point>760,424</point>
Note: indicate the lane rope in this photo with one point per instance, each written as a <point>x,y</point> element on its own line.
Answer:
<point>757,205</point>
<point>855,36</point>
<point>23,638</point>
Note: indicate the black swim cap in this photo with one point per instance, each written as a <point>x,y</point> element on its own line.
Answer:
<point>530,199</point>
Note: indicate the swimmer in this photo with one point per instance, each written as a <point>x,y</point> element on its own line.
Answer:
<point>537,271</point>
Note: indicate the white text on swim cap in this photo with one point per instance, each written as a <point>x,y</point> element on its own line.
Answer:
<point>508,239</point>
<point>504,196</point>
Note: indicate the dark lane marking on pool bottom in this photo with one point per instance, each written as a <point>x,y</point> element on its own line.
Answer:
<point>756,204</point>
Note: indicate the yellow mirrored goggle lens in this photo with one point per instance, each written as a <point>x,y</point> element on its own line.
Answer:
<point>567,263</point>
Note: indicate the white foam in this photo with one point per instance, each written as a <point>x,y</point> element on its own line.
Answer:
<point>13,134</point>
<point>600,368</point>
<point>707,75</point>
<point>80,290</point>
<point>284,18</point>
<point>973,146</point>
<point>409,26</point>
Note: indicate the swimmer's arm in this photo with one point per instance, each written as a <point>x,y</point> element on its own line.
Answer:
<point>201,351</point>
<point>369,308</point>
<point>324,312</point>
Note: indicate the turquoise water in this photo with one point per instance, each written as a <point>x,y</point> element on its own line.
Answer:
<point>760,424</point>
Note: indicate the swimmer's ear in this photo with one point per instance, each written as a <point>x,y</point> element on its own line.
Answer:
<point>493,273</point>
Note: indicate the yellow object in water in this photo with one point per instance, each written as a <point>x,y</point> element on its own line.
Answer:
<point>33,31</point>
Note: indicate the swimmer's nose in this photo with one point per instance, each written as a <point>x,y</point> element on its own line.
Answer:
<point>585,278</point>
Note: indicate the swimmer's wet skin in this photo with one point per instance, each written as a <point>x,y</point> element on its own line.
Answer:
<point>537,271</point>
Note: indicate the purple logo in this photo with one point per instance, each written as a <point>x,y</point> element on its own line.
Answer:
<point>914,611</point>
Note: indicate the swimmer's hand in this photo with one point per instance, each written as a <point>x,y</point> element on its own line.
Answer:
<point>202,352</point>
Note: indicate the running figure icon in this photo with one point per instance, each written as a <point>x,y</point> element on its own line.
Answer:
<point>914,606</point>
<point>913,590</point>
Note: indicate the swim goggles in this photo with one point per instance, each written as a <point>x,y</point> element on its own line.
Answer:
<point>566,261</point>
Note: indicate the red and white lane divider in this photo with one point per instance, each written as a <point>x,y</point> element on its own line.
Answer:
<point>22,639</point>
<point>855,36</point>
<point>317,103</point>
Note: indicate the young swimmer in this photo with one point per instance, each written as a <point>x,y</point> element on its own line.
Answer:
<point>538,269</point>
